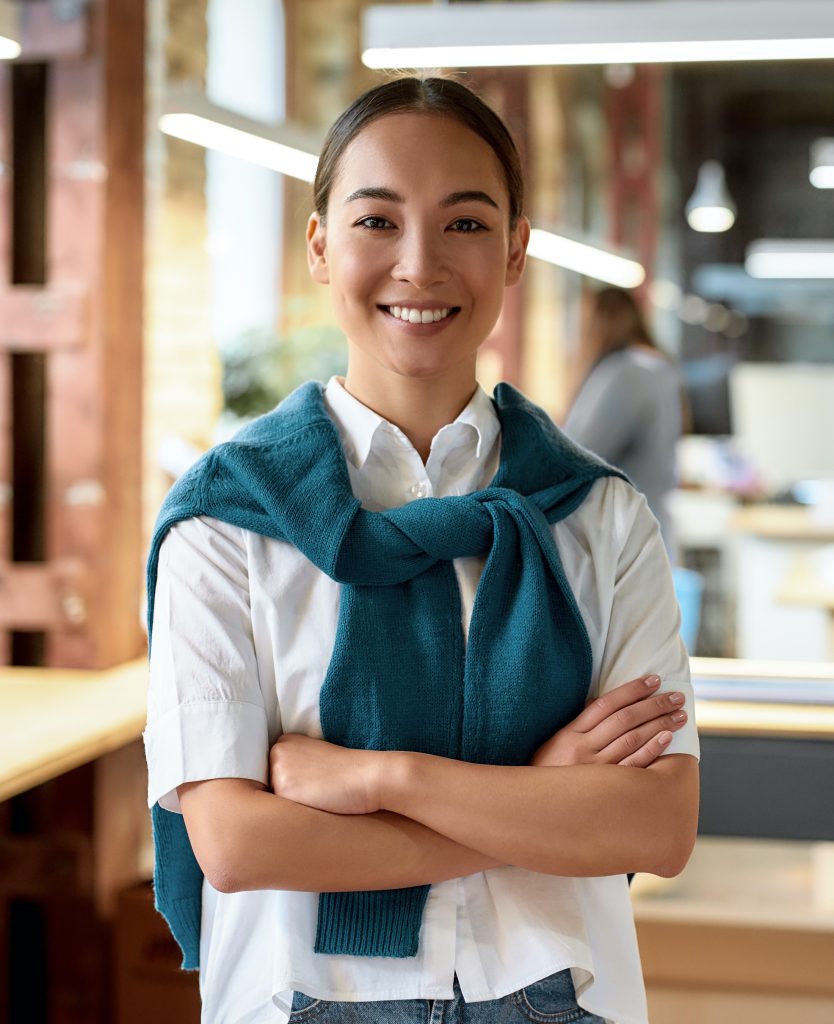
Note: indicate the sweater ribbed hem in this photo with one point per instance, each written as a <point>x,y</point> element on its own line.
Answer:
<point>385,923</point>
<point>183,917</point>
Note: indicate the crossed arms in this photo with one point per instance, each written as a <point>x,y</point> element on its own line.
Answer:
<point>598,799</point>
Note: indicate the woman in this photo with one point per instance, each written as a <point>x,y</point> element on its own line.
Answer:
<point>435,583</point>
<point>628,407</point>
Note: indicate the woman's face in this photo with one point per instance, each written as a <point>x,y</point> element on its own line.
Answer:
<point>417,246</point>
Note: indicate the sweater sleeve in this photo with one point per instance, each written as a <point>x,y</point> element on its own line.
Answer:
<point>206,714</point>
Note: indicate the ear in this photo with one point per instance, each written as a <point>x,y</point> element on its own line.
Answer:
<point>317,250</point>
<point>517,255</point>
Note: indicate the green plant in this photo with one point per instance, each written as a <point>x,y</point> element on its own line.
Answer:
<point>260,368</point>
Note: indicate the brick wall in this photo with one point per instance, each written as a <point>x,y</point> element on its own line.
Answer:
<point>182,369</point>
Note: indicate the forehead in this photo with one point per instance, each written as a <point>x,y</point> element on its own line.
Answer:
<point>420,153</point>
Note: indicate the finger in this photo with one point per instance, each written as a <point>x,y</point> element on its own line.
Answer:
<point>632,717</point>
<point>634,740</point>
<point>649,752</point>
<point>620,697</point>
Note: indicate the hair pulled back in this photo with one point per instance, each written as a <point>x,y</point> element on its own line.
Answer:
<point>441,96</point>
<point>618,319</point>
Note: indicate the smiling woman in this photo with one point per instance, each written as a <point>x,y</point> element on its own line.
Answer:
<point>441,247</point>
<point>393,624</point>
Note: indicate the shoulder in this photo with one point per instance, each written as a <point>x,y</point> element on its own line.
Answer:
<point>613,515</point>
<point>648,364</point>
<point>202,541</point>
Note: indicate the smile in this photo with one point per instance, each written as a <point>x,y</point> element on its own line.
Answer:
<point>419,316</point>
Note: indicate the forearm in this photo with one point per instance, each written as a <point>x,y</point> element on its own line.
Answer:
<point>580,820</point>
<point>247,838</point>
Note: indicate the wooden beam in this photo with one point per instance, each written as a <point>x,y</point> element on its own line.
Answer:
<point>5,363</point>
<point>95,118</point>
<point>34,319</point>
<point>45,36</point>
<point>44,596</point>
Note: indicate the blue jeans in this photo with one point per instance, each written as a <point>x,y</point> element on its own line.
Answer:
<point>549,1001</point>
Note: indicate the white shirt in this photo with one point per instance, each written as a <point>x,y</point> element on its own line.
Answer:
<point>244,628</point>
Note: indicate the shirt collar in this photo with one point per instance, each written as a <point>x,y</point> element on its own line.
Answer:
<point>359,426</point>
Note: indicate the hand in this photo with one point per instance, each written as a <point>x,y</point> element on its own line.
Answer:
<point>630,725</point>
<point>324,775</point>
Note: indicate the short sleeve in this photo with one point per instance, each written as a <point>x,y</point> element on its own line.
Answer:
<point>206,713</point>
<point>644,626</point>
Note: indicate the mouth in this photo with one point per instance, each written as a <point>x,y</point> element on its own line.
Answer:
<point>410,315</point>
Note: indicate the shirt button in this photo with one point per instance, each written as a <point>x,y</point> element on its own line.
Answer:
<point>419,490</point>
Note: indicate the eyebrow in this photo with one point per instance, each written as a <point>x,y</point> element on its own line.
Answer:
<point>453,199</point>
<point>469,197</point>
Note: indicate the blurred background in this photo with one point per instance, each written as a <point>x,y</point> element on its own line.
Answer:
<point>155,159</point>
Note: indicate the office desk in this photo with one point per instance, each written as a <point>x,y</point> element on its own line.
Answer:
<point>783,609</point>
<point>766,767</point>
<point>54,720</point>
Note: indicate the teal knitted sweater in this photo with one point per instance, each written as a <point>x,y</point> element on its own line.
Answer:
<point>522,675</point>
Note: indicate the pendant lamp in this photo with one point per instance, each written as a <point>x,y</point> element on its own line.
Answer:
<point>711,207</point>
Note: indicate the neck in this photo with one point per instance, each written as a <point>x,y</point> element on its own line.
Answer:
<point>418,406</point>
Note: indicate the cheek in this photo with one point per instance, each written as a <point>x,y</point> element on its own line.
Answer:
<point>354,275</point>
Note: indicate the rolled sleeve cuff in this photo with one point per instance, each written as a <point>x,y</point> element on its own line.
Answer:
<point>684,740</point>
<point>208,740</point>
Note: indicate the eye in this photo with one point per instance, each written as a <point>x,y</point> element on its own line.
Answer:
<point>374,223</point>
<point>466,225</point>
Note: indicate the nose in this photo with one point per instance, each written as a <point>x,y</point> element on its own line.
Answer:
<point>422,259</point>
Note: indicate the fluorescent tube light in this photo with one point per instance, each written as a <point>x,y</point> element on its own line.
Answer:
<point>283,147</point>
<point>822,163</point>
<point>9,31</point>
<point>791,258</point>
<point>627,32</point>
<point>585,259</point>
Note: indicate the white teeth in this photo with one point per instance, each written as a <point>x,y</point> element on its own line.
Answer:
<point>418,316</point>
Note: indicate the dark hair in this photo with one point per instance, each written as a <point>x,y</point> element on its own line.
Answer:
<point>442,96</point>
<point>619,318</point>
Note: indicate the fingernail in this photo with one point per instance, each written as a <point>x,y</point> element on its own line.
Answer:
<point>679,716</point>
<point>676,698</point>
<point>652,681</point>
<point>664,738</point>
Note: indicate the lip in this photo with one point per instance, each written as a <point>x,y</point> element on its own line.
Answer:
<point>414,304</point>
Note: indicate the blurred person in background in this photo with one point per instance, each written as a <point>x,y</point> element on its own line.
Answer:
<point>628,407</point>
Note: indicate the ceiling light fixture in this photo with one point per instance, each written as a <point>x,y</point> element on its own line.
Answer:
<point>626,32</point>
<point>791,258</point>
<point>9,31</point>
<point>283,147</point>
<point>710,207</point>
<point>822,163</point>
<point>589,260</point>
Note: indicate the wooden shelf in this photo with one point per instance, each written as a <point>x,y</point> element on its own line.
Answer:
<point>783,522</point>
<point>745,718</point>
<point>55,720</point>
